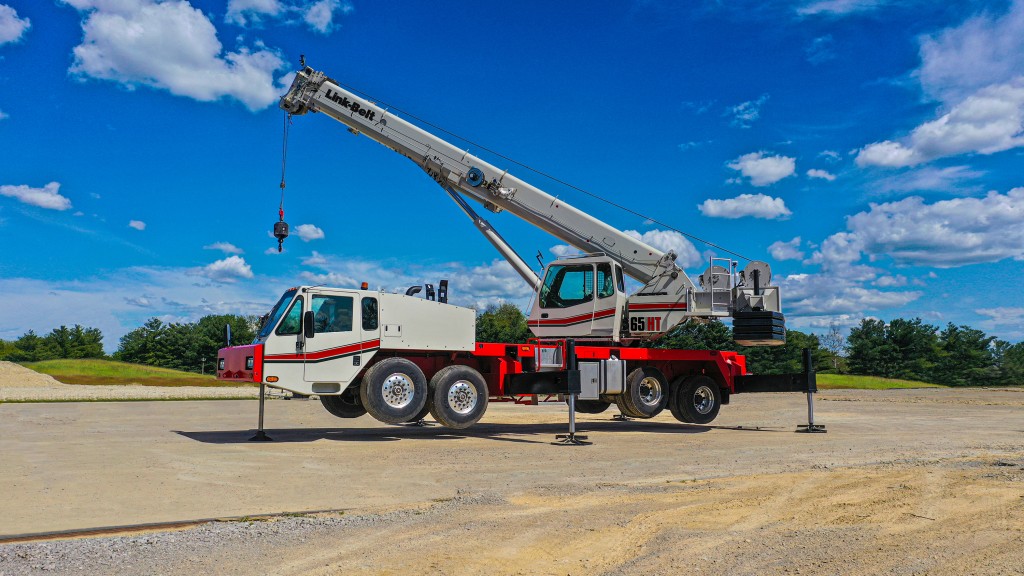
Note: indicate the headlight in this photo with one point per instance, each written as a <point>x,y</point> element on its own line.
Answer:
<point>220,364</point>
<point>248,363</point>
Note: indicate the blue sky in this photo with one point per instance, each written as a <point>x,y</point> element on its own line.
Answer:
<point>870,150</point>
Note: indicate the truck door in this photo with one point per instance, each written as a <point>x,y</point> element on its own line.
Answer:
<point>330,355</point>
<point>566,302</point>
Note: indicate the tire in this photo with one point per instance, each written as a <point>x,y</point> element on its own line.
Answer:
<point>393,390</point>
<point>674,393</point>
<point>423,411</point>
<point>345,405</point>
<point>698,399</point>
<point>458,396</point>
<point>646,393</point>
<point>590,406</point>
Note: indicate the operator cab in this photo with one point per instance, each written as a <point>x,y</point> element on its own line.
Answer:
<point>580,297</point>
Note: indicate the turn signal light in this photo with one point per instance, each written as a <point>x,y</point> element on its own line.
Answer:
<point>271,378</point>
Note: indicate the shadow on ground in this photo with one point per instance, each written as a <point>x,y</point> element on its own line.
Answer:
<point>524,433</point>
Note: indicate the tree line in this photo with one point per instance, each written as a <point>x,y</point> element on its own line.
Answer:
<point>904,349</point>
<point>956,355</point>
<point>188,346</point>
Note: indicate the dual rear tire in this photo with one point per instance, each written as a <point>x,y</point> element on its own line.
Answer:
<point>396,391</point>
<point>695,399</point>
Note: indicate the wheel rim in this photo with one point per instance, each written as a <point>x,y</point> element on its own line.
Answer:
<point>462,397</point>
<point>703,400</point>
<point>650,391</point>
<point>398,390</point>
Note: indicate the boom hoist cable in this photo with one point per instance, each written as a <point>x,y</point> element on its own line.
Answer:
<point>281,227</point>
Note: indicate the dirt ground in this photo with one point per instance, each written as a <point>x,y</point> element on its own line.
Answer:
<point>904,482</point>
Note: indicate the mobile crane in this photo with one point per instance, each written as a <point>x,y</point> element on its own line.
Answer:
<point>400,356</point>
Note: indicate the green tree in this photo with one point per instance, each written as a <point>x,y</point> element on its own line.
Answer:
<point>139,345</point>
<point>869,352</point>
<point>30,348</point>
<point>914,348</point>
<point>965,357</point>
<point>505,323</point>
<point>789,358</point>
<point>693,335</point>
<point>1009,362</point>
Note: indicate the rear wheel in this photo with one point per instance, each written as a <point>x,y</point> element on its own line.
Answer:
<point>345,405</point>
<point>674,393</point>
<point>393,390</point>
<point>645,395</point>
<point>698,399</point>
<point>458,396</point>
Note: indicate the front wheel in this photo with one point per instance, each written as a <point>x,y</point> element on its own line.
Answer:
<point>458,396</point>
<point>345,405</point>
<point>394,390</point>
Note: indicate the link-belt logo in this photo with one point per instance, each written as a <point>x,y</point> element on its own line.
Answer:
<point>350,104</point>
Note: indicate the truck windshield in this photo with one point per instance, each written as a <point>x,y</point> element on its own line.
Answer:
<point>275,315</point>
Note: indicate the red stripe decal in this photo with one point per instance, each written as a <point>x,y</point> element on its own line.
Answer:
<point>328,353</point>
<point>575,319</point>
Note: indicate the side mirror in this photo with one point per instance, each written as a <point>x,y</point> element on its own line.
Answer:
<point>308,324</point>
<point>227,334</point>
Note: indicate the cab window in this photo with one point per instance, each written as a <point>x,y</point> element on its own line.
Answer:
<point>369,313</point>
<point>332,313</point>
<point>605,282</point>
<point>619,280</point>
<point>567,285</point>
<point>292,322</point>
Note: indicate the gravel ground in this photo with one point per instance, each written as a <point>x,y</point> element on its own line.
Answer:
<point>19,384</point>
<point>904,483</point>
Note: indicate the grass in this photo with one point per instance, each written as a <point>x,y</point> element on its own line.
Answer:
<point>848,381</point>
<point>107,372</point>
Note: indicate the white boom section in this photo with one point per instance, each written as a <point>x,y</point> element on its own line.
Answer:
<point>495,188</point>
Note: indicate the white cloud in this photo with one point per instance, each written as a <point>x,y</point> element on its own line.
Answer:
<point>764,170</point>
<point>229,269</point>
<point>122,300</point>
<point>819,294</point>
<point>137,224</point>
<point>929,179</point>
<point>563,250</point>
<point>786,250</point>
<point>46,197</point>
<point>1007,321</point>
<point>665,240</point>
<point>272,251</point>
<point>896,281</point>
<point>746,113</point>
<point>243,12</point>
<point>316,259</point>
<point>11,26</point>
<point>225,247</point>
<point>756,205</point>
<point>821,50</point>
<point>944,234</point>
<point>172,46</point>
<point>983,51</point>
<point>309,232</point>
<point>822,174</point>
<point>319,15</point>
<point>4,115</point>
<point>888,154</point>
<point>838,7</point>
<point>976,70</point>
